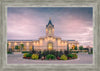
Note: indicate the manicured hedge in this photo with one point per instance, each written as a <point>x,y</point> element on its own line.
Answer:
<point>74,51</point>
<point>9,52</point>
<point>72,56</point>
<point>27,55</point>
<point>25,52</point>
<point>75,56</point>
<point>50,57</point>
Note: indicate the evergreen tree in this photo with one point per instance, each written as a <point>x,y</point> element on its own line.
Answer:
<point>22,46</point>
<point>75,47</point>
<point>16,47</point>
<point>81,48</point>
<point>67,47</point>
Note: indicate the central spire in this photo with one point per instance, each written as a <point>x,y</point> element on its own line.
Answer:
<point>49,28</point>
<point>49,22</point>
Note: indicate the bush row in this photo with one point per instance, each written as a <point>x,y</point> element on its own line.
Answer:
<point>9,52</point>
<point>25,52</point>
<point>49,56</point>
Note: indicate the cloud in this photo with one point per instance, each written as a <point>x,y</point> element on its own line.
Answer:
<point>75,28</point>
<point>30,23</point>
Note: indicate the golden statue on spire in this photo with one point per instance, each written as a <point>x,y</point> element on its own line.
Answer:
<point>49,18</point>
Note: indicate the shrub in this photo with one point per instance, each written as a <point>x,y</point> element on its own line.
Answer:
<point>85,51</point>
<point>70,55</point>
<point>9,52</point>
<point>35,56</point>
<point>81,47</point>
<point>16,47</point>
<point>27,55</point>
<point>25,52</point>
<point>58,58</point>
<point>74,51</point>
<point>90,52</point>
<point>50,56</point>
<point>75,48</point>
<point>63,57</point>
<point>75,55</point>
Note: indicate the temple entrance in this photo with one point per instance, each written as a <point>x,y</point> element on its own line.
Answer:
<point>50,46</point>
<point>73,47</point>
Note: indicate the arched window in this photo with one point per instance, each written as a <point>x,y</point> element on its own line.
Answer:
<point>50,30</point>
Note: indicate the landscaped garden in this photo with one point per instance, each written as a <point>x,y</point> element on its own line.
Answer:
<point>50,55</point>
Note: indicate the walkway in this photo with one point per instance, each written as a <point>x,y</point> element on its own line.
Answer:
<point>83,58</point>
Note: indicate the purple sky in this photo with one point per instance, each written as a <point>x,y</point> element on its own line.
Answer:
<point>71,23</point>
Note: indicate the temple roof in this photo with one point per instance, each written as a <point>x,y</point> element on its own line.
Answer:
<point>49,23</point>
<point>70,40</point>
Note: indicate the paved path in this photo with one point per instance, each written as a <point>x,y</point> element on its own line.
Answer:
<point>83,58</point>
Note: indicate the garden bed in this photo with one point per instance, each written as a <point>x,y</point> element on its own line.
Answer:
<point>50,55</point>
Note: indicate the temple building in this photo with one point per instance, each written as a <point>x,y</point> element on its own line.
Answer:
<point>48,42</point>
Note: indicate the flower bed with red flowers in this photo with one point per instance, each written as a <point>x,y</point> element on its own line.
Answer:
<point>53,55</point>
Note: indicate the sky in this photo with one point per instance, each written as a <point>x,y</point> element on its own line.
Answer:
<point>70,23</point>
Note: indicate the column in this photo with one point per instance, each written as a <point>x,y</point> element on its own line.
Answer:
<point>27,46</point>
<point>77,46</point>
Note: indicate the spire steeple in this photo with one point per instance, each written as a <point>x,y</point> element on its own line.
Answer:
<point>49,29</point>
<point>49,22</point>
